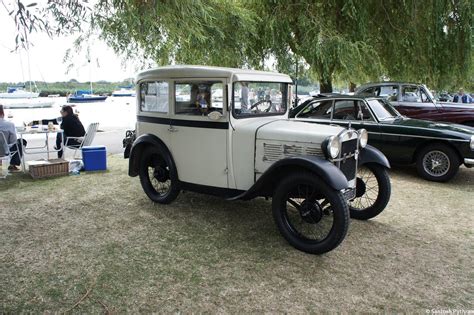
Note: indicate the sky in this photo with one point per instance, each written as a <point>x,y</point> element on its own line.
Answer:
<point>46,59</point>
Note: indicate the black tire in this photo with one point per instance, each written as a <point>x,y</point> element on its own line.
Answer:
<point>441,154</point>
<point>373,192</point>
<point>158,175</point>
<point>323,208</point>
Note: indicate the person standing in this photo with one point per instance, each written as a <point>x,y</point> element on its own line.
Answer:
<point>462,97</point>
<point>13,144</point>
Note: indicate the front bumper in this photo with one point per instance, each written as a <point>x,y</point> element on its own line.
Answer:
<point>469,162</point>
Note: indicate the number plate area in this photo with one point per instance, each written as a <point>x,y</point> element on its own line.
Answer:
<point>349,194</point>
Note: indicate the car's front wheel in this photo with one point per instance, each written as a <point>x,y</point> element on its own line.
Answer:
<point>437,162</point>
<point>157,177</point>
<point>311,216</point>
<point>372,192</point>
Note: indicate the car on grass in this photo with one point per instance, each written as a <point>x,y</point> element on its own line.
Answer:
<point>437,149</point>
<point>416,101</point>
<point>226,132</point>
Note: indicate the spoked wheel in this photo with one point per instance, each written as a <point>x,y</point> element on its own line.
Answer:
<point>156,176</point>
<point>372,193</point>
<point>310,215</point>
<point>437,162</point>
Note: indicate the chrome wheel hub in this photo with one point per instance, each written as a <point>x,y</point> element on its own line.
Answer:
<point>436,163</point>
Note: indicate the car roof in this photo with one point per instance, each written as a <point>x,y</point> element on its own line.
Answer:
<point>194,71</point>
<point>384,83</point>
<point>337,96</point>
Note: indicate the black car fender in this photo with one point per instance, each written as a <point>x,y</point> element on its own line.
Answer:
<point>137,149</point>
<point>322,168</point>
<point>369,154</point>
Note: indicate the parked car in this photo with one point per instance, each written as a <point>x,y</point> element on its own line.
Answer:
<point>247,148</point>
<point>438,149</point>
<point>444,97</point>
<point>416,101</point>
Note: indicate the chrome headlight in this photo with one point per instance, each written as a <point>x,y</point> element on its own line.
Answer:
<point>363,138</point>
<point>472,143</point>
<point>334,147</point>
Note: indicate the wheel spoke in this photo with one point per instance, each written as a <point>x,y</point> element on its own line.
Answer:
<point>371,193</point>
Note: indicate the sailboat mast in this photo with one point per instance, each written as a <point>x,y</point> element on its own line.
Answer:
<point>90,74</point>
<point>29,66</point>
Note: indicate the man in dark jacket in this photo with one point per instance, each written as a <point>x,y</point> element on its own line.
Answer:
<point>462,97</point>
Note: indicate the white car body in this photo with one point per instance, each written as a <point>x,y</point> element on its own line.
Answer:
<point>218,149</point>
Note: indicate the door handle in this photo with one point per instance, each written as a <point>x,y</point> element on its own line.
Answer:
<point>172,129</point>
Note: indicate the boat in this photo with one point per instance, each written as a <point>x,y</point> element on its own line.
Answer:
<point>124,91</point>
<point>17,103</point>
<point>85,96</point>
<point>19,91</point>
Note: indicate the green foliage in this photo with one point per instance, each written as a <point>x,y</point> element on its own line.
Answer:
<point>212,32</point>
<point>429,41</point>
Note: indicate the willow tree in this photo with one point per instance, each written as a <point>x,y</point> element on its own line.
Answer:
<point>331,36</point>
<point>351,40</point>
<point>428,41</point>
<point>212,32</point>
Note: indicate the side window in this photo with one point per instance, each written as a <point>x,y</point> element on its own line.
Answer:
<point>154,97</point>
<point>345,110</point>
<point>411,94</point>
<point>199,98</point>
<point>318,110</point>
<point>389,91</point>
<point>370,91</point>
<point>364,113</point>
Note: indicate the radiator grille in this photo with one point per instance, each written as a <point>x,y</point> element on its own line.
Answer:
<point>348,166</point>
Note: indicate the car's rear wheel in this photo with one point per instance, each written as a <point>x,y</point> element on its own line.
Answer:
<point>311,216</point>
<point>373,192</point>
<point>157,175</point>
<point>437,162</point>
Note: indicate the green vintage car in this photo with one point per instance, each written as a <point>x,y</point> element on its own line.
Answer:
<point>437,148</point>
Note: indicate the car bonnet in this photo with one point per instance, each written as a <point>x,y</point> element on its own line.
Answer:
<point>297,131</point>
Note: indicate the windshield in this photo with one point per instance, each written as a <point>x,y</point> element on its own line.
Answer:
<point>428,92</point>
<point>383,110</point>
<point>252,99</point>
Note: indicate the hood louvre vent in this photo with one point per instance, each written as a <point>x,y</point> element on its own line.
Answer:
<point>274,152</point>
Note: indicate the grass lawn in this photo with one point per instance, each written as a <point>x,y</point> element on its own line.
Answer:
<point>95,243</point>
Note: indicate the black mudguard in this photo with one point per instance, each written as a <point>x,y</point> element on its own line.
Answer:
<point>327,171</point>
<point>369,154</point>
<point>137,148</point>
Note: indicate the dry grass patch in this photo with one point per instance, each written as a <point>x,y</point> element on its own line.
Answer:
<point>98,233</point>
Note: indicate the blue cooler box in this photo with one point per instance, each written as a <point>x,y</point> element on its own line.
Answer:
<point>94,158</point>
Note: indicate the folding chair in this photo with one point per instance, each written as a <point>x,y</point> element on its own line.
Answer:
<point>84,141</point>
<point>6,148</point>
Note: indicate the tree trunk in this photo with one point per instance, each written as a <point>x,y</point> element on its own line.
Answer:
<point>325,86</point>
<point>352,86</point>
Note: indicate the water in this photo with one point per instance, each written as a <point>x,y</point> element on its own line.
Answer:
<point>114,113</point>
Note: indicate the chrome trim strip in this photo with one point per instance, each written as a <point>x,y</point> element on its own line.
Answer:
<point>469,161</point>
<point>416,136</point>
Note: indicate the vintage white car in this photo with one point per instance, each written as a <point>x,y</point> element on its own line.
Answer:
<point>226,132</point>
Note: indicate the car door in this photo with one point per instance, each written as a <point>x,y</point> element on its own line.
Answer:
<point>198,130</point>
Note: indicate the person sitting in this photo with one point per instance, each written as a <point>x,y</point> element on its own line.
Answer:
<point>71,126</point>
<point>9,131</point>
